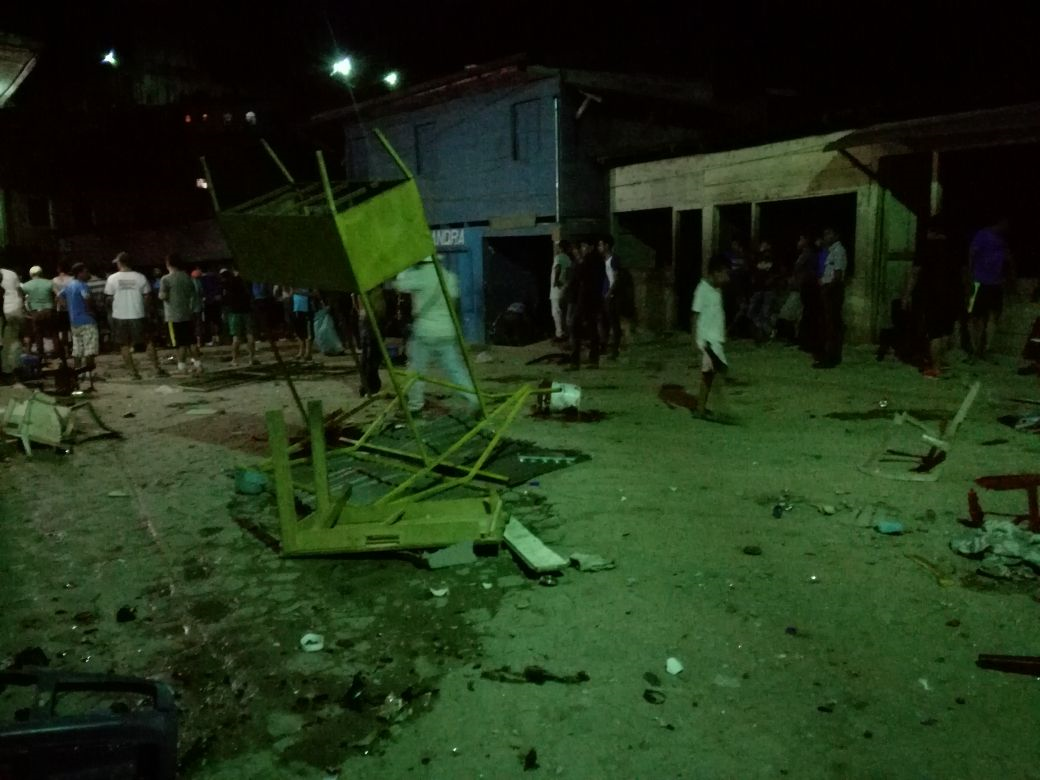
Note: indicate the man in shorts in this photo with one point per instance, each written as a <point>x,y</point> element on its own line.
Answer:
<point>129,294</point>
<point>990,263</point>
<point>709,329</point>
<point>39,308</point>
<point>180,300</point>
<point>238,314</point>
<point>82,321</point>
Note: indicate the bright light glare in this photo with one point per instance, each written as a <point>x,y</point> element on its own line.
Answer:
<point>342,67</point>
<point>110,58</point>
<point>392,79</point>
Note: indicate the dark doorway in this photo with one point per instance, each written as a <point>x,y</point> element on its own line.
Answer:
<point>782,222</point>
<point>980,185</point>
<point>734,225</point>
<point>688,262</point>
<point>516,270</point>
<point>644,234</point>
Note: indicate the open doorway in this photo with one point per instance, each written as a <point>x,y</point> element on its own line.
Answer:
<point>782,222</point>
<point>516,271</point>
<point>980,185</point>
<point>688,262</point>
<point>645,238</point>
<point>734,224</point>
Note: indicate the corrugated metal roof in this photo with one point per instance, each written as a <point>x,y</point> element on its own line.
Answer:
<point>1016,124</point>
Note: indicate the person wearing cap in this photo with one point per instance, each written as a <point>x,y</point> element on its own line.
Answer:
<point>129,295</point>
<point>39,308</point>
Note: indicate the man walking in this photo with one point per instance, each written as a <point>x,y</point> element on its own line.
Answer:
<point>434,339</point>
<point>129,293</point>
<point>709,329</point>
<point>180,300</point>
<point>832,296</point>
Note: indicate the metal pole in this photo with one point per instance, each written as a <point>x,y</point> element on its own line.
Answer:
<point>281,166</point>
<point>209,185</point>
<point>458,334</point>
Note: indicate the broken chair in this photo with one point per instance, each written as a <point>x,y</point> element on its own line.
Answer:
<point>892,463</point>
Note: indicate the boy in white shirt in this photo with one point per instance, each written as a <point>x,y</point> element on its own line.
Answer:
<point>709,329</point>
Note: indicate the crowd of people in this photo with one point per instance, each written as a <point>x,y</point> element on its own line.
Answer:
<point>802,301</point>
<point>592,298</point>
<point>795,296</point>
<point>77,314</point>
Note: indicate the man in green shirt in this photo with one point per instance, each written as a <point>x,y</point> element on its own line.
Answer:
<point>39,308</point>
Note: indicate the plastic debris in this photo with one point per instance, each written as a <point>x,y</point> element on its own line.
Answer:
<point>889,527</point>
<point>588,562</point>
<point>117,494</point>
<point>312,643</point>
<point>826,509</point>
<point>458,554</point>
<point>391,706</point>
<point>673,666</point>
<point>439,593</point>
<point>484,357</point>
<point>486,585</point>
<point>250,482</point>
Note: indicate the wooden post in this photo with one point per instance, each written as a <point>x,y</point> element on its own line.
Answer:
<point>316,424</point>
<point>935,194</point>
<point>279,441</point>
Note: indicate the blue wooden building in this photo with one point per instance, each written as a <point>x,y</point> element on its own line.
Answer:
<point>511,156</point>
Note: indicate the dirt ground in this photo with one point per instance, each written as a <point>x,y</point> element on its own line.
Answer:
<point>812,645</point>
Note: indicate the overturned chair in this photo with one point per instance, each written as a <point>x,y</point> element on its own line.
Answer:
<point>356,236</point>
<point>892,462</point>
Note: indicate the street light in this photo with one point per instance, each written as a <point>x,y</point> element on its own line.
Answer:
<point>392,79</point>
<point>110,58</point>
<point>342,67</point>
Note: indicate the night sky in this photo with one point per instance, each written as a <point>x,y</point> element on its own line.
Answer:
<point>897,56</point>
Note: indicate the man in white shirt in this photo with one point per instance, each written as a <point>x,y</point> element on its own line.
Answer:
<point>611,315</point>
<point>832,295</point>
<point>130,293</point>
<point>11,322</point>
<point>434,339</point>
<point>709,329</point>
<point>559,276</point>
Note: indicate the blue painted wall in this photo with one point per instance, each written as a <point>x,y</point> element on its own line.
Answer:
<point>475,157</point>
<point>467,262</point>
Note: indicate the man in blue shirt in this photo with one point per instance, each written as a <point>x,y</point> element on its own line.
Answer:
<point>990,265</point>
<point>303,322</point>
<point>76,295</point>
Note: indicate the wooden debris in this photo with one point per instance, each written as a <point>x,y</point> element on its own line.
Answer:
<point>535,555</point>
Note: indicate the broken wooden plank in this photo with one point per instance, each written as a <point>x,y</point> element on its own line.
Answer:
<point>535,555</point>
